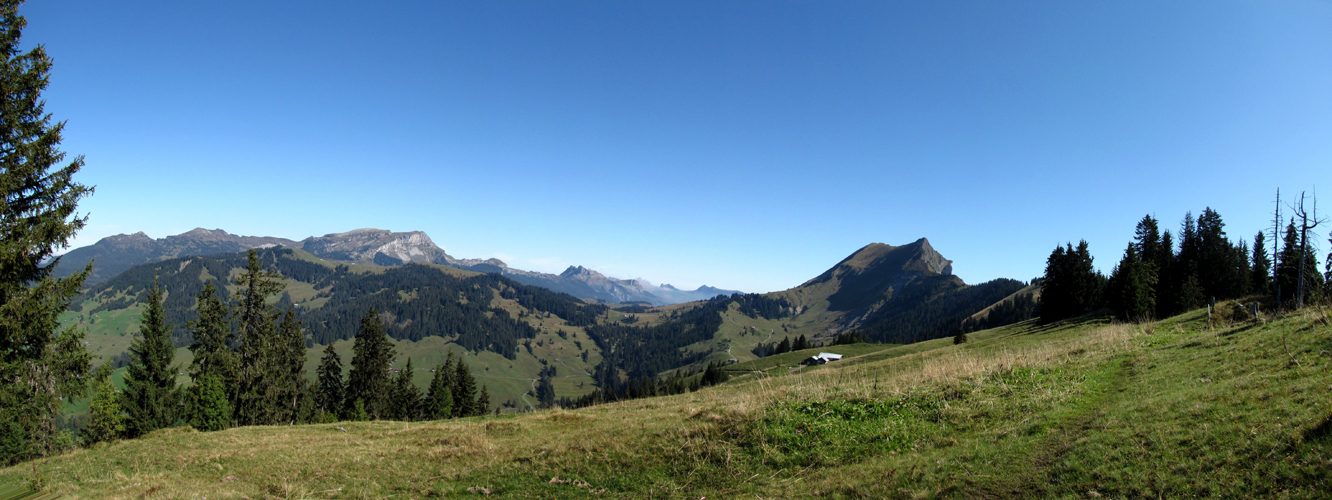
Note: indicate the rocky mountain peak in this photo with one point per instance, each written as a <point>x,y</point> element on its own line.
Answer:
<point>380,246</point>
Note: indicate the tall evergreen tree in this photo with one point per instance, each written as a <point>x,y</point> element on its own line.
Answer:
<point>329,397</point>
<point>106,420</point>
<point>368,383</point>
<point>1071,286</point>
<point>483,401</point>
<point>40,364</point>
<point>287,369</point>
<point>1243,270</point>
<point>251,396</point>
<point>1132,287</point>
<point>207,407</point>
<point>212,338</point>
<point>1288,264</point>
<point>439,403</point>
<point>1218,268</point>
<point>1167,286</point>
<point>464,391</point>
<point>406,397</point>
<point>1261,270</point>
<point>150,395</point>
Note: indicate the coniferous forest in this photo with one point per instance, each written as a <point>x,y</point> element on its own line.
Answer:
<point>1158,278</point>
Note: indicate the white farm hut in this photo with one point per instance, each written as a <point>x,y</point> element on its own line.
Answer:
<point>822,358</point>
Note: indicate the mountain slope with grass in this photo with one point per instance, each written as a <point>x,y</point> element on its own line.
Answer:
<point>508,332</point>
<point>1076,409</point>
<point>888,294</point>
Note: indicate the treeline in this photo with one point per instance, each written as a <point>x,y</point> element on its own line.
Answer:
<point>786,345</point>
<point>418,301</point>
<point>1157,277</point>
<point>642,352</point>
<point>1019,308</point>
<point>182,279</point>
<point>678,382</point>
<point>253,374</point>
<point>761,306</point>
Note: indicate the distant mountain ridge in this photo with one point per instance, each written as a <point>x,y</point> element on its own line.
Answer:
<point>116,254</point>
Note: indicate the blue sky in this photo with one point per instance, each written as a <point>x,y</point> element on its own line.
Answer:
<point>745,145</point>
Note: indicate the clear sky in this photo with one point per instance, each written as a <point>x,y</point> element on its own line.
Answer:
<point>745,145</point>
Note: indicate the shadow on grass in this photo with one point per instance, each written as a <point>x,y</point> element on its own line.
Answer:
<point>1322,433</point>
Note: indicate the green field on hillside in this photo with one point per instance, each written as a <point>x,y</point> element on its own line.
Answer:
<point>793,359</point>
<point>1073,410</point>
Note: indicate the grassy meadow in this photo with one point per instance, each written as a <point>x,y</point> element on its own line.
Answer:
<point>1086,409</point>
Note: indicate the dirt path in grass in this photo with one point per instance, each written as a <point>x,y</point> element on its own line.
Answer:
<point>1036,478</point>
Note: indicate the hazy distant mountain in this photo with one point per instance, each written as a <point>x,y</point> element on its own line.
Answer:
<point>582,282</point>
<point>114,254</point>
<point>379,247</point>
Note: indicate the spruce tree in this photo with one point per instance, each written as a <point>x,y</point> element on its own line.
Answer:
<point>213,356</point>
<point>150,395</point>
<point>252,396</point>
<point>106,420</point>
<point>1288,265</point>
<point>439,404</point>
<point>961,337</point>
<point>1131,288</point>
<point>329,395</point>
<point>287,369</point>
<point>464,391</point>
<point>40,364</point>
<point>207,406</point>
<point>1167,286</point>
<point>368,383</point>
<point>1261,269</point>
<point>406,397</point>
<point>483,401</point>
<point>1071,286</point>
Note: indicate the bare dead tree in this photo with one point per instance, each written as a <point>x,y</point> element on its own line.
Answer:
<point>1276,250</point>
<point>1308,221</point>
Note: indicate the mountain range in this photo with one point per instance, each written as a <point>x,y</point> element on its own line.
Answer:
<point>511,331</point>
<point>375,247</point>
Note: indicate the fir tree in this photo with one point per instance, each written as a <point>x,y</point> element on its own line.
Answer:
<point>252,396</point>
<point>406,397</point>
<point>368,383</point>
<point>483,401</point>
<point>106,421</point>
<point>1288,264</point>
<point>439,403</point>
<point>1132,287</point>
<point>207,406</point>
<point>961,337</point>
<point>150,395</point>
<point>464,391</point>
<point>545,388</point>
<point>40,364</point>
<point>1261,270</point>
<point>784,346</point>
<point>287,369</point>
<point>1243,270</point>
<point>1071,286</point>
<point>213,356</point>
<point>328,398</point>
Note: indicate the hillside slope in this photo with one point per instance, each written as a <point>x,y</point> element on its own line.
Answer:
<point>509,331</point>
<point>1170,409</point>
<point>893,294</point>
